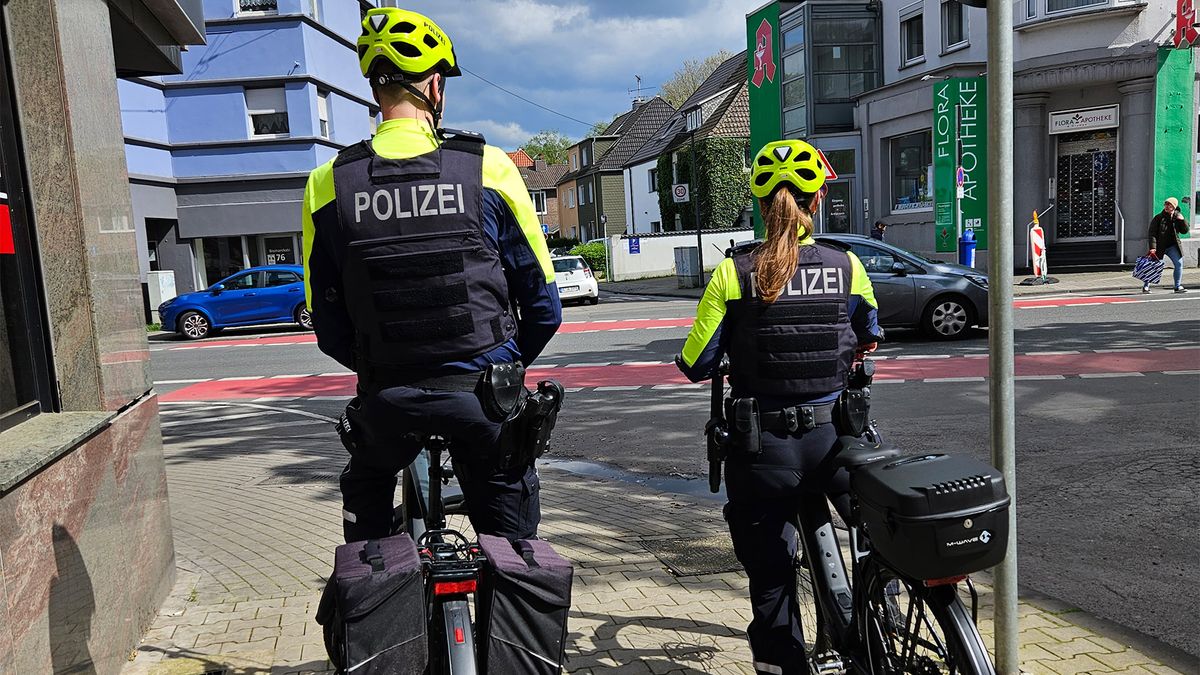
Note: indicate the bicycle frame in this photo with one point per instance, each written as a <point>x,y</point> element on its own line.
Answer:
<point>451,564</point>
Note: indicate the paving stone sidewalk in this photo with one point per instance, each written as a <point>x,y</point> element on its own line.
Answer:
<point>256,517</point>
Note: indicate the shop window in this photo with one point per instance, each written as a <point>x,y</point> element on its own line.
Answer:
<point>279,250</point>
<point>841,161</point>
<point>26,370</point>
<point>259,6</point>
<point>1067,5</point>
<point>912,38</point>
<point>267,111</point>
<point>323,112</point>
<point>954,25</point>
<point>911,166</point>
<point>539,202</point>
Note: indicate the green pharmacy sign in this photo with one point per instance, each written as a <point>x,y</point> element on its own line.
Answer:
<point>960,161</point>
<point>764,74</point>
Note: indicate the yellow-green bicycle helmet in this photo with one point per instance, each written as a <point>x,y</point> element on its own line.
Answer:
<point>792,161</point>
<point>411,42</point>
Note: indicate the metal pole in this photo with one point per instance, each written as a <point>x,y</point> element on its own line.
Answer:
<point>693,195</point>
<point>1000,266</point>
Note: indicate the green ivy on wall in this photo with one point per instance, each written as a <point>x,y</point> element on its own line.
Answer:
<point>723,184</point>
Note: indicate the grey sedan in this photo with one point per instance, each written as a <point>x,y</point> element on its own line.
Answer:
<point>943,299</point>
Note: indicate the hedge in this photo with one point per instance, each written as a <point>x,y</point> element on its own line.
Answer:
<point>722,186</point>
<point>596,256</point>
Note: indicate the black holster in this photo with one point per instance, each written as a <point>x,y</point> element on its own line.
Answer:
<point>525,434</point>
<point>501,391</point>
<point>745,426</point>
<point>852,412</point>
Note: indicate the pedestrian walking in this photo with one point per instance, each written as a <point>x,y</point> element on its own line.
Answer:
<point>878,230</point>
<point>427,275</point>
<point>1165,229</point>
<point>792,313</point>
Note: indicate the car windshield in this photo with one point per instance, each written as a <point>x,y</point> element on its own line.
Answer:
<point>568,264</point>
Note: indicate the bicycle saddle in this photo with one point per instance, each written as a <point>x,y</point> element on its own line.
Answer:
<point>853,453</point>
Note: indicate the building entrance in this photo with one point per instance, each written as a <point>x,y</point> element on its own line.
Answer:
<point>1087,186</point>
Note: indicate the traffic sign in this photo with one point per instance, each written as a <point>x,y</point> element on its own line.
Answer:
<point>680,192</point>
<point>960,177</point>
<point>830,174</point>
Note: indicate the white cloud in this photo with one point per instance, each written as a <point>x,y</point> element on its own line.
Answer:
<point>507,135</point>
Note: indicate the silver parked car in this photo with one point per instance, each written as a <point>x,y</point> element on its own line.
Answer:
<point>943,299</point>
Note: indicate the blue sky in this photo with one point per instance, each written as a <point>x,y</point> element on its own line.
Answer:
<point>578,57</point>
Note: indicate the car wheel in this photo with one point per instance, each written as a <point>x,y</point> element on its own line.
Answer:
<point>595,299</point>
<point>948,318</point>
<point>304,317</point>
<point>194,326</point>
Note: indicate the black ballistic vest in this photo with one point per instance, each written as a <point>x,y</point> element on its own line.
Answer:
<point>802,345</point>
<point>421,285</point>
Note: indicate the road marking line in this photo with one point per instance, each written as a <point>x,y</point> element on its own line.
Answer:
<point>889,381</point>
<point>586,365</point>
<point>975,356</point>
<point>1094,376</point>
<point>1181,372</point>
<point>645,363</point>
<point>328,398</point>
<point>1063,353</point>
<point>287,377</point>
<point>622,387</point>
<point>202,379</point>
<point>220,418</point>
<point>1043,306</point>
<point>206,347</point>
<point>1177,348</point>
<point>1039,377</point>
<point>272,399</point>
<point>1121,351</point>
<point>954,379</point>
<point>334,374</point>
<point>620,330</point>
<point>913,357</point>
<point>573,390</point>
<point>241,378</point>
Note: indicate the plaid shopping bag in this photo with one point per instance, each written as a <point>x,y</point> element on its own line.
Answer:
<point>1148,270</point>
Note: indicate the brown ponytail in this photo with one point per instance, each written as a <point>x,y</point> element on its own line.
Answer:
<point>775,261</point>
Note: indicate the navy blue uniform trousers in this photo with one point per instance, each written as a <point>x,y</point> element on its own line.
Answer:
<point>391,425</point>
<point>765,493</point>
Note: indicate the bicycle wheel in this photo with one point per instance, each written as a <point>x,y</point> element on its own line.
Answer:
<point>916,629</point>
<point>816,637</point>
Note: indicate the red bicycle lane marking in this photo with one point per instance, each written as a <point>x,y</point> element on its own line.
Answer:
<point>656,374</point>
<point>1067,302</point>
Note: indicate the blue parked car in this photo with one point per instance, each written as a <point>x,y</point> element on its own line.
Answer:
<point>252,297</point>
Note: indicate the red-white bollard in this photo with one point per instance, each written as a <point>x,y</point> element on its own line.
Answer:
<point>1037,245</point>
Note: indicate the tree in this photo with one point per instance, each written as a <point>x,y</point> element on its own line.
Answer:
<point>598,128</point>
<point>689,77</point>
<point>548,144</point>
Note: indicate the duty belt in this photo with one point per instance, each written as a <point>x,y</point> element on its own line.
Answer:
<point>462,382</point>
<point>797,418</point>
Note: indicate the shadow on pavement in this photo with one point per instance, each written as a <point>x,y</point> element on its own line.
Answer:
<point>194,661</point>
<point>71,606</point>
<point>669,656</point>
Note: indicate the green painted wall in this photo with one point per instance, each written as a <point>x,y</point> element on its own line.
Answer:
<point>765,73</point>
<point>1174,117</point>
<point>960,128</point>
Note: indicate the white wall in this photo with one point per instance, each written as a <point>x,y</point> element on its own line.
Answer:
<point>657,256</point>
<point>641,205</point>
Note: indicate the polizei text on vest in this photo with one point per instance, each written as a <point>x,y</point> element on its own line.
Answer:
<point>810,281</point>
<point>412,201</point>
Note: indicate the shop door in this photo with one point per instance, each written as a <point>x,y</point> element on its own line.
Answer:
<point>1087,186</point>
<point>836,208</point>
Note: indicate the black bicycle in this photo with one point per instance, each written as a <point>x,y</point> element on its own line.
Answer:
<point>436,520</point>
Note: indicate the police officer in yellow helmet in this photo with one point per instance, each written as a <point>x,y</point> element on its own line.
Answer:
<point>425,269</point>
<point>790,314</point>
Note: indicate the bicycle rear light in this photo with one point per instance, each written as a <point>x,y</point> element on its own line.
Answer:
<point>459,637</point>
<point>454,587</point>
<point>945,581</point>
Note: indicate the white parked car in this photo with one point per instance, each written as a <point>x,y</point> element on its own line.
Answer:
<point>575,279</point>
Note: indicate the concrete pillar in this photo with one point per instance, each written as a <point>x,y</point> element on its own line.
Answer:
<point>1135,162</point>
<point>1031,179</point>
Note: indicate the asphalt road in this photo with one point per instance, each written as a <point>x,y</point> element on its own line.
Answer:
<point>1108,439</point>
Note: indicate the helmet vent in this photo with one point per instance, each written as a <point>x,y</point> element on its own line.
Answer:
<point>408,50</point>
<point>362,50</point>
<point>762,178</point>
<point>764,161</point>
<point>804,156</point>
<point>783,152</point>
<point>807,174</point>
<point>403,27</point>
<point>432,43</point>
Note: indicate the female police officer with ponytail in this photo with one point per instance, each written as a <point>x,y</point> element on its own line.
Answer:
<point>790,313</point>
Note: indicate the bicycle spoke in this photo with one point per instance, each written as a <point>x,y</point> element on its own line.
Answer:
<point>906,631</point>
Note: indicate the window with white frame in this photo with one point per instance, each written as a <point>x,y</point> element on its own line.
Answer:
<point>1053,6</point>
<point>694,119</point>
<point>323,112</point>
<point>571,198</point>
<point>539,202</point>
<point>1030,8</point>
<point>954,25</point>
<point>257,6</point>
<point>316,10</point>
<point>912,35</point>
<point>587,155</point>
<point>267,112</point>
<point>653,179</point>
<point>574,162</point>
<point>583,194</point>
